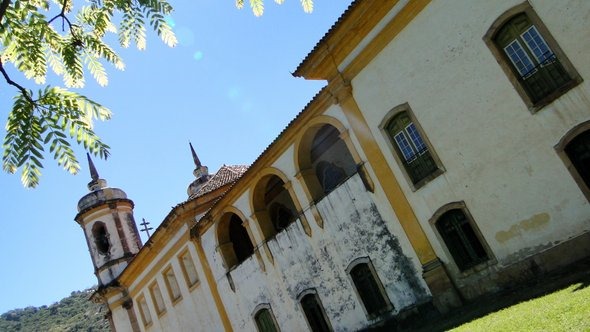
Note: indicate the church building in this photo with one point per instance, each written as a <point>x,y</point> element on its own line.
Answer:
<point>447,157</point>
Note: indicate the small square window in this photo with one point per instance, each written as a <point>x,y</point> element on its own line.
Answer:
<point>157,297</point>
<point>188,269</point>
<point>172,284</point>
<point>144,311</point>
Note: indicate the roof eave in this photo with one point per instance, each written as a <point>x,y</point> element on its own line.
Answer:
<point>343,37</point>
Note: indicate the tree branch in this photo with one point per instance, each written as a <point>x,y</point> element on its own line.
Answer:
<point>13,83</point>
<point>62,14</point>
<point>3,8</point>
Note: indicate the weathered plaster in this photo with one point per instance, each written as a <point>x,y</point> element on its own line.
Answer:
<point>534,223</point>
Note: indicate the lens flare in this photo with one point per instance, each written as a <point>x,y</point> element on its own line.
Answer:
<point>198,55</point>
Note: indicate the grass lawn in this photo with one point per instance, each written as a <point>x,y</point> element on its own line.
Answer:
<point>558,301</point>
<point>567,309</point>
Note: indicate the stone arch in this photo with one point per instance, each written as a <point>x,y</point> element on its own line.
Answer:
<point>325,143</point>
<point>233,238</point>
<point>274,207</point>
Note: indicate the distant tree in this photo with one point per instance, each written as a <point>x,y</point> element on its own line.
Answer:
<point>67,37</point>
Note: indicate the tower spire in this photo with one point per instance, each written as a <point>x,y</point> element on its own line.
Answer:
<point>96,183</point>
<point>201,174</point>
<point>93,172</point>
<point>195,157</point>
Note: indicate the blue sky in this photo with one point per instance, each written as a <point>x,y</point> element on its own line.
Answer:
<point>226,87</point>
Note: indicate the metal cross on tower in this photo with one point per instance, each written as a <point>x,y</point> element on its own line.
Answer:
<point>145,228</point>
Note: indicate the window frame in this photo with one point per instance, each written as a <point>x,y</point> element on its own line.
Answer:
<point>169,286</point>
<point>381,289</point>
<point>314,293</point>
<point>390,141</point>
<point>190,284</point>
<point>463,207</point>
<point>152,289</point>
<point>144,311</point>
<point>509,69</point>
<point>261,307</point>
<point>572,134</point>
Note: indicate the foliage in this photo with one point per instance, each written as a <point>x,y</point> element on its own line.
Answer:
<point>73,313</point>
<point>564,310</point>
<point>42,35</point>
<point>258,5</point>
<point>63,37</point>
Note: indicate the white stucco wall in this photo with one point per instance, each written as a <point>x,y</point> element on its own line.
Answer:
<point>195,310</point>
<point>353,228</point>
<point>499,158</point>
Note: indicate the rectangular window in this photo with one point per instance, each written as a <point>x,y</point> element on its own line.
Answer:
<point>370,290</point>
<point>416,138</point>
<point>314,313</point>
<point>172,284</point>
<point>188,269</point>
<point>537,45</point>
<point>144,311</point>
<point>519,58</point>
<point>460,238</point>
<point>412,150</point>
<point>157,298</point>
<point>265,321</point>
<point>530,57</point>
<point>404,146</point>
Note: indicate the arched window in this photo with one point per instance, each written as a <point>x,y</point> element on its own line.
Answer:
<point>369,289</point>
<point>578,151</point>
<point>101,237</point>
<point>314,313</point>
<point>273,205</point>
<point>329,175</point>
<point>528,53</point>
<point>412,150</point>
<point>265,321</point>
<point>280,216</point>
<point>235,245</point>
<point>461,240</point>
<point>240,240</point>
<point>331,159</point>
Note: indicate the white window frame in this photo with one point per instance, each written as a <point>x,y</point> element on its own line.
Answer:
<point>528,58</point>
<point>539,61</point>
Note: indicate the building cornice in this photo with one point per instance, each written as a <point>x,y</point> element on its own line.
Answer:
<point>354,27</point>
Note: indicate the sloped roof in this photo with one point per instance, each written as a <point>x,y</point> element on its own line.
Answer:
<point>226,174</point>
<point>299,70</point>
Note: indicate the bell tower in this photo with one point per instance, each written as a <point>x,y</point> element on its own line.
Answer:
<point>106,217</point>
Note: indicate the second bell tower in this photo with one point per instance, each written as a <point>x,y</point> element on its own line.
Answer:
<point>106,217</point>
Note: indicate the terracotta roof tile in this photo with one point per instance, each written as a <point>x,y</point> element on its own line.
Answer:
<point>226,174</point>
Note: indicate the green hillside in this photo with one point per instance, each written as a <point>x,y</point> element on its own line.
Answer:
<point>73,313</point>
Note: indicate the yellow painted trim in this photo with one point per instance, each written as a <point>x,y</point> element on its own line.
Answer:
<point>212,285</point>
<point>387,180</point>
<point>385,36</point>
<point>128,280</point>
<point>344,37</point>
<point>287,138</point>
